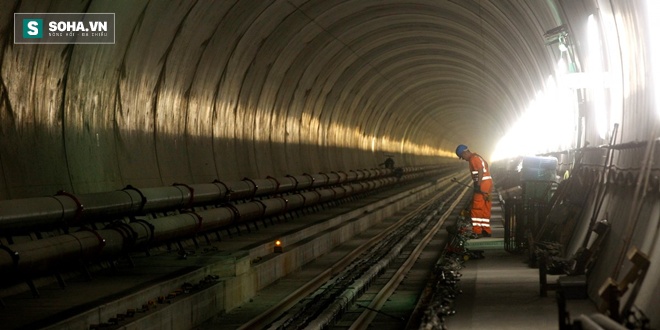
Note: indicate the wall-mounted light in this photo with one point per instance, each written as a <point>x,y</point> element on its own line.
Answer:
<point>554,35</point>
<point>278,247</point>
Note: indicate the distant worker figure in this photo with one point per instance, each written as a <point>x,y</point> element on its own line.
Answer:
<point>389,163</point>
<point>483,183</point>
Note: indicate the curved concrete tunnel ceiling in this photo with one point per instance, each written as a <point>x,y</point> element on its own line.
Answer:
<point>435,54</point>
<point>194,91</point>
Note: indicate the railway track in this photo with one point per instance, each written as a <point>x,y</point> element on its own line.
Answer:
<point>351,292</point>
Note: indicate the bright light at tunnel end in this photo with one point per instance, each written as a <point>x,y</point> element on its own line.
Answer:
<point>548,124</point>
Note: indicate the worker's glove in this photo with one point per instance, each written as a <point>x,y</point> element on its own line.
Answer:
<point>487,197</point>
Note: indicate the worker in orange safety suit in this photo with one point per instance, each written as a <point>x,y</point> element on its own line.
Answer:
<point>483,184</point>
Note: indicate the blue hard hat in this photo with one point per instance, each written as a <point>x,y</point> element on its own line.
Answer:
<point>460,149</point>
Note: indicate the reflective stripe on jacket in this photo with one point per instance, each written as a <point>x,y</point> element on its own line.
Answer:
<point>478,164</point>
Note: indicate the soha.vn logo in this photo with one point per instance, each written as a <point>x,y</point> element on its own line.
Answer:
<point>33,28</point>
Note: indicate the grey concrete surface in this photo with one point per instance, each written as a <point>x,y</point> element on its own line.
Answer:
<point>502,292</point>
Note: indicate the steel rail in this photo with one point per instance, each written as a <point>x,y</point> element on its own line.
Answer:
<point>267,317</point>
<point>354,290</point>
<point>379,300</point>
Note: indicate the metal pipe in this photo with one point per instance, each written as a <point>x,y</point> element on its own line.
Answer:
<point>249,211</point>
<point>65,209</point>
<point>40,256</point>
<point>52,254</point>
<point>210,193</point>
<point>302,181</point>
<point>29,213</point>
<point>296,201</point>
<point>166,198</point>
<point>318,180</point>
<point>217,218</point>
<point>175,226</point>
<point>115,243</point>
<point>275,206</point>
<point>102,206</point>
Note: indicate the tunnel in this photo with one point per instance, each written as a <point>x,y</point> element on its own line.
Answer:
<point>185,164</point>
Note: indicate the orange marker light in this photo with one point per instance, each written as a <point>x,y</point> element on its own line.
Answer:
<point>278,247</point>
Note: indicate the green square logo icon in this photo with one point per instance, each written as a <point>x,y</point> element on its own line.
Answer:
<point>33,28</point>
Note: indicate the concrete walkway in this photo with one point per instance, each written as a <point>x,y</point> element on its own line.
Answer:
<point>501,291</point>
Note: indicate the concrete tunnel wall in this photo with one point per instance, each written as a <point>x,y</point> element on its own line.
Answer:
<point>194,91</point>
